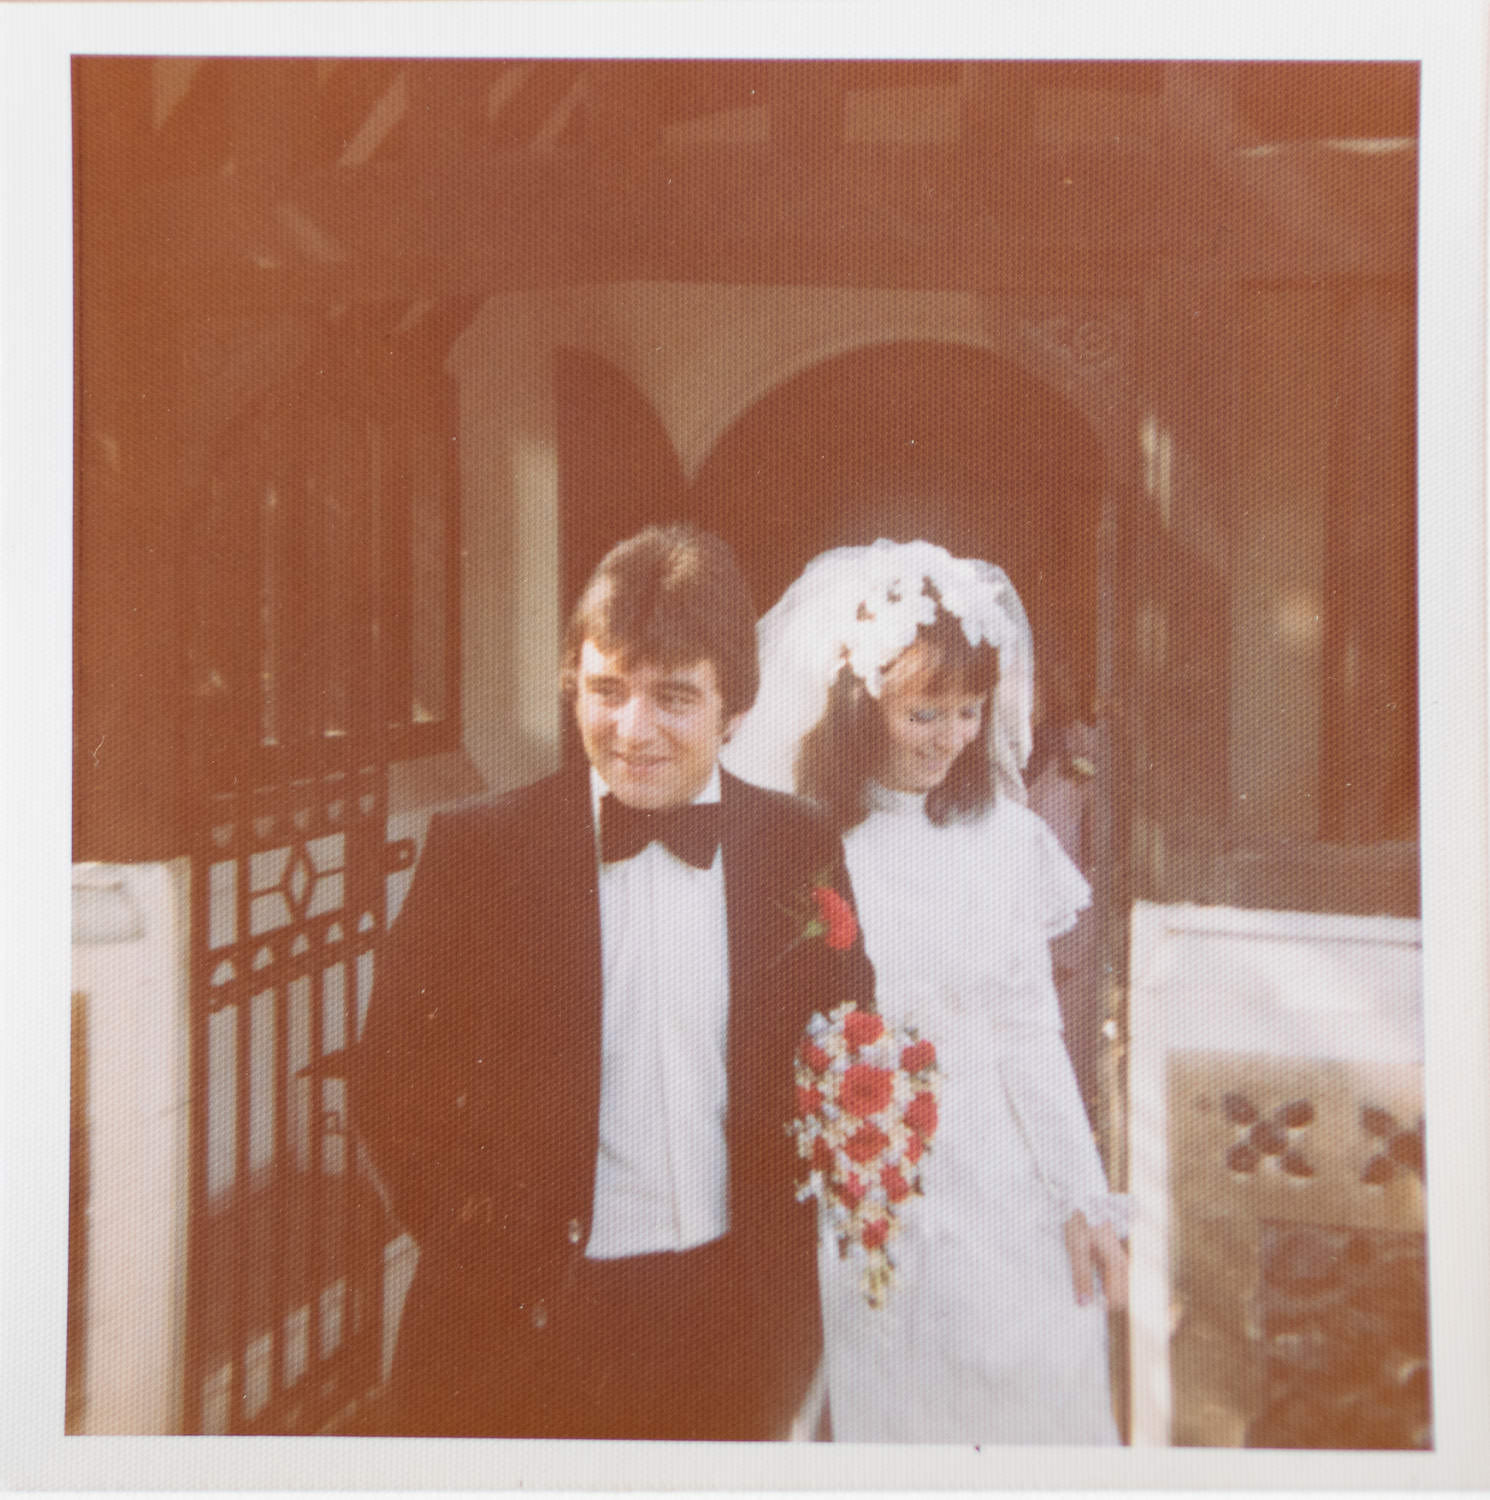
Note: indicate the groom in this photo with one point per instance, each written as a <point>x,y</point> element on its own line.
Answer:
<point>577,1066</point>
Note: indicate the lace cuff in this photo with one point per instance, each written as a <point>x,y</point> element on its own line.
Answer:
<point>1106,1208</point>
<point>1097,1208</point>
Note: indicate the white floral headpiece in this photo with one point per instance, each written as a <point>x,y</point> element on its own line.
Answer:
<point>897,603</point>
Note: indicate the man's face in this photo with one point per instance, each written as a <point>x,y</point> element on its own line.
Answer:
<point>653,733</point>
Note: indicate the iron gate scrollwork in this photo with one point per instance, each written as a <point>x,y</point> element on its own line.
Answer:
<point>287,1230</point>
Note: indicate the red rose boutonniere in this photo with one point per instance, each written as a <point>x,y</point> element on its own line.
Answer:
<point>835,919</point>
<point>866,1112</point>
<point>822,914</point>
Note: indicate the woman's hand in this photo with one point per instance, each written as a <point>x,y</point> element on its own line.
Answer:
<point>1097,1253</point>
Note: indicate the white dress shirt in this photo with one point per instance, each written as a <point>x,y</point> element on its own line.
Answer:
<point>662,1174</point>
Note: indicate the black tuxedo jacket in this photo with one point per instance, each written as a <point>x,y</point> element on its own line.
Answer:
<point>476,1085</point>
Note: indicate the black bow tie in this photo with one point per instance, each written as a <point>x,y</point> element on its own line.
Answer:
<point>692,832</point>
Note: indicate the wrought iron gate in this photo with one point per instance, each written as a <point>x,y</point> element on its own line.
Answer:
<point>285,1282</point>
<point>295,568</point>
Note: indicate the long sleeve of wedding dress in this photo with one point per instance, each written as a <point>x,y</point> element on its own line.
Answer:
<point>1043,1094</point>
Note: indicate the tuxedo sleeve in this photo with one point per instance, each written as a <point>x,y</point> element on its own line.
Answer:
<point>404,1078</point>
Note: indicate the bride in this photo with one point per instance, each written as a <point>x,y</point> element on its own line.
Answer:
<point>896,692</point>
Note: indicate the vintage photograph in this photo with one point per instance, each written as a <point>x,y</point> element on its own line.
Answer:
<point>442,427</point>
<point>746,752</point>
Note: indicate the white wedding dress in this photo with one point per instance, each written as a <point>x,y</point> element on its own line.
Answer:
<point>982,1339</point>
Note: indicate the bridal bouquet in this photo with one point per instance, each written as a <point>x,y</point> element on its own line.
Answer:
<point>866,1112</point>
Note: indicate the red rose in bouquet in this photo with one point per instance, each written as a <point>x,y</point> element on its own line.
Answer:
<point>876,1233</point>
<point>862,1028</point>
<point>918,1057</point>
<point>865,1090</point>
<point>815,1057</point>
<point>809,1100</point>
<point>921,1116</point>
<point>895,1186</point>
<point>866,1143</point>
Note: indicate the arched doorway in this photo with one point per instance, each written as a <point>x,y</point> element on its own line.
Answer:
<point>920,439</point>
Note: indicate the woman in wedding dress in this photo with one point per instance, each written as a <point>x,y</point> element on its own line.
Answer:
<point>896,688</point>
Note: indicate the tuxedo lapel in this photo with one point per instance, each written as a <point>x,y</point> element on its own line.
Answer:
<point>562,876</point>
<point>759,934</point>
<point>563,919</point>
<point>749,912</point>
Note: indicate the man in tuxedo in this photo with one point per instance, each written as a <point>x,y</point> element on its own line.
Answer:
<point>577,1074</point>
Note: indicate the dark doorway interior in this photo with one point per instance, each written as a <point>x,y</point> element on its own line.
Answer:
<point>618,470</point>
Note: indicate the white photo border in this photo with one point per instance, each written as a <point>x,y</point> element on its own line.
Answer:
<point>36,42</point>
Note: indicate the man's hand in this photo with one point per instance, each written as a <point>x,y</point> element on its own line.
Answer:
<point>1097,1253</point>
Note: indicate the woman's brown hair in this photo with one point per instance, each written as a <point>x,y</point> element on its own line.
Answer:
<point>846,749</point>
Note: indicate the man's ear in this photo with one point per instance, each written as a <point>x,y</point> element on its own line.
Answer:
<point>732,723</point>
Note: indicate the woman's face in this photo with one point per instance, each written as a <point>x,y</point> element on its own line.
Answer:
<point>925,731</point>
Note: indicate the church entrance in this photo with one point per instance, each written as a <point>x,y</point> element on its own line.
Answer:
<point>908,439</point>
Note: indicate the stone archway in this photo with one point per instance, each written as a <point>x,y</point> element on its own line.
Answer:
<point>926,438</point>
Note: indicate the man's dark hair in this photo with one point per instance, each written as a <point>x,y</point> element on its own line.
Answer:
<point>847,748</point>
<point>670,595</point>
